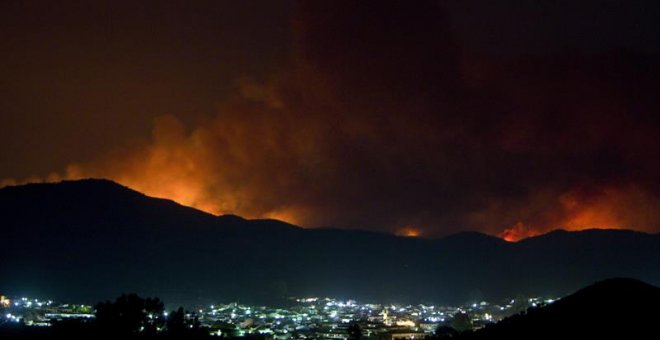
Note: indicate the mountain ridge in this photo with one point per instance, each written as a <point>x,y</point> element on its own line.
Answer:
<point>232,218</point>
<point>158,247</point>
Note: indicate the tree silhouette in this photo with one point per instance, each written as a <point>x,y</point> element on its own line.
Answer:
<point>445,332</point>
<point>520,304</point>
<point>354,331</point>
<point>176,322</point>
<point>461,322</point>
<point>181,324</point>
<point>130,315</point>
<point>154,308</point>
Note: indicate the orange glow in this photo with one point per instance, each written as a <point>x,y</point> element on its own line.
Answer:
<point>288,216</point>
<point>623,207</point>
<point>518,232</point>
<point>596,213</point>
<point>182,191</point>
<point>409,231</point>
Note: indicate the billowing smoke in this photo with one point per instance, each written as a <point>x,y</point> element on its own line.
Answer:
<point>383,121</point>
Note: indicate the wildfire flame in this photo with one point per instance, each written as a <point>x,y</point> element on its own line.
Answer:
<point>518,232</point>
<point>409,231</point>
<point>579,209</point>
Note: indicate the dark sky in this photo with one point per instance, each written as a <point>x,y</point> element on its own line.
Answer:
<point>425,116</point>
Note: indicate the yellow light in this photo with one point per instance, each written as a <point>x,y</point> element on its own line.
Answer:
<point>4,302</point>
<point>407,323</point>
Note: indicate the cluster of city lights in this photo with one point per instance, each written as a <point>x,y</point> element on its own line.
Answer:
<point>309,317</point>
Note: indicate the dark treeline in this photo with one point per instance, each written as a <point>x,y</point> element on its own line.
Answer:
<point>129,316</point>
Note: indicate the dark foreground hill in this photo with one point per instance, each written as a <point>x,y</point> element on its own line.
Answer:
<point>610,309</point>
<point>94,239</point>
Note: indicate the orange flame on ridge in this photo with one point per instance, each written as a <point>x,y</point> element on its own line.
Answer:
<point>611,207</point>
<point>409,231</point>
<point>518,232</point>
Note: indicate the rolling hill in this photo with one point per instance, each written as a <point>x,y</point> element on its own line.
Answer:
<point>613,308</point>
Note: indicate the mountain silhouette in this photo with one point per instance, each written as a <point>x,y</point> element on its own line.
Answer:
<point>609,309</point>
<point>89,240</point>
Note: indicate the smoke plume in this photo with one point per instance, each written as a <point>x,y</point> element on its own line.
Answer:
<point>383,121</point>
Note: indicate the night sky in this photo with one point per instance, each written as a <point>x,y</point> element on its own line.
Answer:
<point>411,117</point>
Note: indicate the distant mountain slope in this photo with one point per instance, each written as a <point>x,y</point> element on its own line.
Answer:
<point>94,239</point>
<point>610,309</point>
